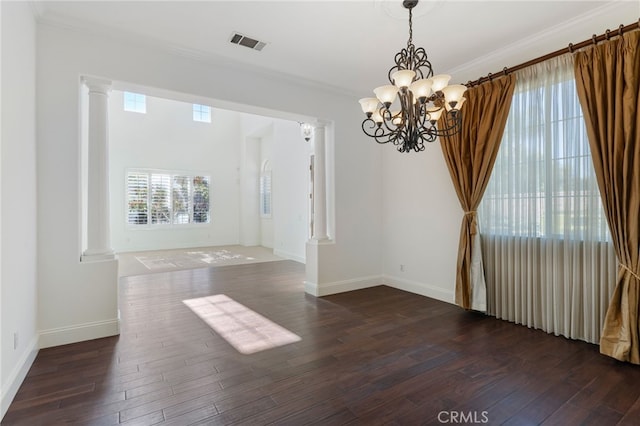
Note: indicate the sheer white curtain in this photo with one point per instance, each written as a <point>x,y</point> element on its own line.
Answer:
<point>549,262</point>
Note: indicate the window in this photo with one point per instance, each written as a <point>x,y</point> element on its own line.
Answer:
<point>135,102</point>
<point>181,199</point>
<point>167,198</point>
<point>138,198</point>
<point>543,183</point>
<point>201,113</point>
<point>265,194</point>
<point>160,201</point>
<point>546,251</point>
<point>265,189</point>
<point>201,199</point>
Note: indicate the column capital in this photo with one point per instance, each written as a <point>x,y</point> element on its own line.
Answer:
<point>320,124</point>
<point>99,85</point>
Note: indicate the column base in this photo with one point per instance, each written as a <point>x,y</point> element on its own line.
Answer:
<point>97,257</point>
<point>319,241</point>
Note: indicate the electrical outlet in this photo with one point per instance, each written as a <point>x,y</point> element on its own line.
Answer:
<point>401,268</point>
<point>15,341</point>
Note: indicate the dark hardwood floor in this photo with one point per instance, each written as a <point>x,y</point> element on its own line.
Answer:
<point>375,356</point>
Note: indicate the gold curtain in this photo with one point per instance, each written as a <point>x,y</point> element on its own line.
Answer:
<point>607,79</point>
<point>470,156</point>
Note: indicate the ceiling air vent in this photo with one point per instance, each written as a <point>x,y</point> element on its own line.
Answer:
<point>243,40</point>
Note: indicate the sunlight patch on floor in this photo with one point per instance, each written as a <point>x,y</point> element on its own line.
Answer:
<point>192,258</point>
<point>246,330</point>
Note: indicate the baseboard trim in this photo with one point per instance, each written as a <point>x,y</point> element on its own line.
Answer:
<point>290,256</point>
<point>17,375</point>
<point>342,286</point>
<point>79,333</point>
<point>416,287</point>
<point>422,289</point>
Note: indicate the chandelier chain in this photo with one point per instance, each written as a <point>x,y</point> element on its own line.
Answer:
<point>410,27</point>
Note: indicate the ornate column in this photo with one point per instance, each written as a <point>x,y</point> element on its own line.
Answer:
<point>317,246</point>
<point>98,234</point>
<point>320,184</point>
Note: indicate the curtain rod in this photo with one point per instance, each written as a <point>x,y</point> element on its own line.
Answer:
<point>569,49</point>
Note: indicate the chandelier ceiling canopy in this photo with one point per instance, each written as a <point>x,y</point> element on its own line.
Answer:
<point>408,111</point>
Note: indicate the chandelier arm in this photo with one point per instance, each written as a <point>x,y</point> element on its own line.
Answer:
<point>414,59</point>
<point>402,145</point>
<point>383,141</point>
<point>387,118</point>
<point>394,139</point>
<point>421,61</point>
<point>417,144</point>
<point>421,114</point>
<point>379,134</point>
<point>453,124</point>
<point>383,138</point>
<point>429,133</point>
<point>402,63</point>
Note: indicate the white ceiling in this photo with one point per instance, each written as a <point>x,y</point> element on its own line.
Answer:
<point>351,44</point>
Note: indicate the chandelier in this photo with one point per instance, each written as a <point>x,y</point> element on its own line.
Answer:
<point>422,99</point>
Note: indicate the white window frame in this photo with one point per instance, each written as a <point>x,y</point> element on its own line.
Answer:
<point>134,102</point>
<point>201,113</point>
<point>173,220</point>
<point>265,190</point>
<point>266,195</point>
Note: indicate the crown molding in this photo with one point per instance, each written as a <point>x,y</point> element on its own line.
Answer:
<point>511,50</point>
<point>37,8</point>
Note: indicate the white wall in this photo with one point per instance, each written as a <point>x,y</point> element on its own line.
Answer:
<point>83,295</point>
<point>76,300</point>
<point>167,138</point>
<point>18,308</point>
<point>278,141</point>
<point>422,218</point>
<point>290,190</point>
<point>249,192</point>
